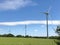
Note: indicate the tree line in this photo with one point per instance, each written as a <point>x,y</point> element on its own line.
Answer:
<point>11,35</point>
<point>27,36</point>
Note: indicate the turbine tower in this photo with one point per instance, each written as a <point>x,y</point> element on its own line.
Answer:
<point>47,13</point>
<point>25,30</point>
<point>9,30</point>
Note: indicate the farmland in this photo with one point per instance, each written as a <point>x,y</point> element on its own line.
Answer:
<point>25,41</point>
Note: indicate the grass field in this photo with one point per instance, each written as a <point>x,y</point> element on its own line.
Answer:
<point>26,41</point>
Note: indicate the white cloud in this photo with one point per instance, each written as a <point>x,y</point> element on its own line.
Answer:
<point>42,26</point>
<point>14,4</point>
<point>50,22</point>
<point>1,29</point>
<point>35,30</point>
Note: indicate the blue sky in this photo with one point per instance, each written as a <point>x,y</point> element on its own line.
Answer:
<point>12,11</point>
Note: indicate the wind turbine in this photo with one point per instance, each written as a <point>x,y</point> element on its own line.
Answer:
<point>25,30</point>
<point>9,30</point>
<point>47,13</point>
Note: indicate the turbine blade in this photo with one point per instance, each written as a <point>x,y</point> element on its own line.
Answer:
<point>43,12</point>
<point>49,9</point>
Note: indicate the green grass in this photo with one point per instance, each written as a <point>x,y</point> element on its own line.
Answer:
<point>58,42</point>
<point>26,41</point>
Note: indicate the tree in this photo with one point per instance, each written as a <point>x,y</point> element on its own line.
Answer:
<point>7,35</point>
<point>19,36</point>
<point>58,30</point>
<point>10,35</point>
